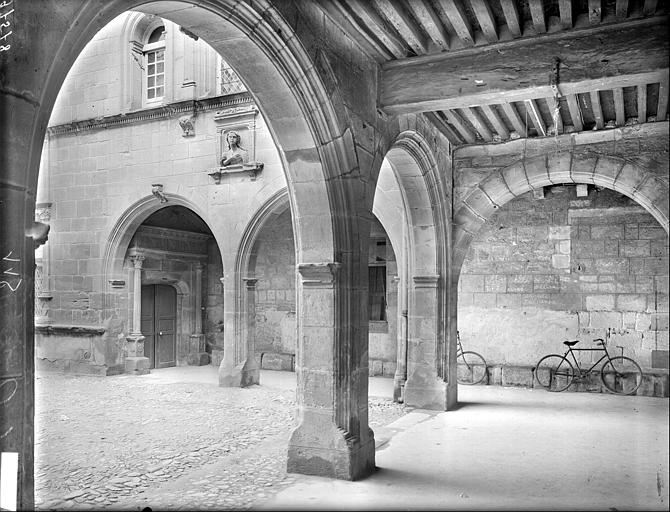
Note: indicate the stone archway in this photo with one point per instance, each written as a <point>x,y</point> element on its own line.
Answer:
<point>318,154</point>
<point>428,353</point>
<point>242,368</point>
<point>648,189</point>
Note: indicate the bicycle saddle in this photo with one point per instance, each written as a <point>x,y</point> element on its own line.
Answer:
<point>570,343</point>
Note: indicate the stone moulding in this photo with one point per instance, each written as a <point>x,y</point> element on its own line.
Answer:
<point>426,281</point>
<point>252,168</point>
<point>162,112</point>
<point>71,330</point>
<point>318,274</point>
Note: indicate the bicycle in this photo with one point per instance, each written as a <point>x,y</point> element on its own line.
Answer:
<point>471,367</point>
<point>619,374</point>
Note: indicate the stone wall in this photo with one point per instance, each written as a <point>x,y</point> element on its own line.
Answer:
<point>544,270</point>
<point>275,289</point>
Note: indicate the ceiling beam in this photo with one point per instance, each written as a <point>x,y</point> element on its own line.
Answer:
<point>342,18</point>
<point>649,7</point>
<point>618,106</point>
<point>520,69</point>
<point>642,103</point>
<point>514,118</point>
<point>373,21</point>
<point>456,15</point>
<point>427,16</point>
<point>455,120</point>
<point>512,17</point>
<point>565,10</point>
<point>446,130</point>
<point>575,111</point>
<point>595,12</point>
<point>535,117</point>
<point>478,123</point>
<point>496,121</point>
<point>621,9</point>
<point>597,110</point>
<point>405,26</point>
<point>485,18</point>
<point>537,13</point>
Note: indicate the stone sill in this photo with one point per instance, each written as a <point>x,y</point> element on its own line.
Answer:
<point>71,330</point>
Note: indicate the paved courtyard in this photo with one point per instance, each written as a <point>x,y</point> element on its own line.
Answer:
<point>128,442</point>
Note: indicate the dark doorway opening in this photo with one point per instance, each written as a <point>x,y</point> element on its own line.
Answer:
<point>159,321</point>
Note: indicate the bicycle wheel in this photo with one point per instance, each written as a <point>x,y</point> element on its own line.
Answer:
<point>471,368</point>
<point>554,372</point>
<point>621,375</point>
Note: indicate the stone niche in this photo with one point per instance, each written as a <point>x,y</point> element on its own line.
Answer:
<point>242,121</point>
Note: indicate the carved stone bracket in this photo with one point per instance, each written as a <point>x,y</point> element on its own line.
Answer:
<point>318,274</point>
<point>252,168</point>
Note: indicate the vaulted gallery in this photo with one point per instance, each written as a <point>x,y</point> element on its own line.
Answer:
<point>335,189</point>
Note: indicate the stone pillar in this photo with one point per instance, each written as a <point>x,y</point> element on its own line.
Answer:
<point>136,362</point>
<point>332,438</point>
<point>197,355</point>
<point>239,367</point>
<point>424,387</point>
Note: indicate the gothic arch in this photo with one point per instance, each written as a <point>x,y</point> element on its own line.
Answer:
<point>245,261</point>
<point>638,183</point>
<point>416,168</point>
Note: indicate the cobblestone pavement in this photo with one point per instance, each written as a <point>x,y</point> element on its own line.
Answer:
<point>123,443</point>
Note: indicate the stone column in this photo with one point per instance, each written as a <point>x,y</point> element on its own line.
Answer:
<point>239,367</point>
<point>136,362</point>
<point>197,355</point>
<point>424,387</point>
<point>332,438</point>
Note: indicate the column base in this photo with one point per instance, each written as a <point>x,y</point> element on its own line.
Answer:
<point>198,359</point>
<point>398,389</point>
<point>241,375</point>
<point>137,365</point>
<point>425,390</point>
<point>317,447</point>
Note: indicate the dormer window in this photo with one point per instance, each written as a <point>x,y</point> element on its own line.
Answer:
<point>154,65</point>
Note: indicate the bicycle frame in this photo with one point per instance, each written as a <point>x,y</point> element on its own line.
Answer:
<point>603,348</point>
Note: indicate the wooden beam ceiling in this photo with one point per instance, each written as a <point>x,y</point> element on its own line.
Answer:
<point>627,55</point>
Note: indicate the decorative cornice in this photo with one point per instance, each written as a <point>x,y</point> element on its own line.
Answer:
<point>150,114</point>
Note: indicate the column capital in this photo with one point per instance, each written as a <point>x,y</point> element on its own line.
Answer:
<point>250,282</point>
<point>318,274</point>
<point>137,258</point>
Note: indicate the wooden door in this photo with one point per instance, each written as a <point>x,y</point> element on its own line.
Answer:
<point>159,321</point>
